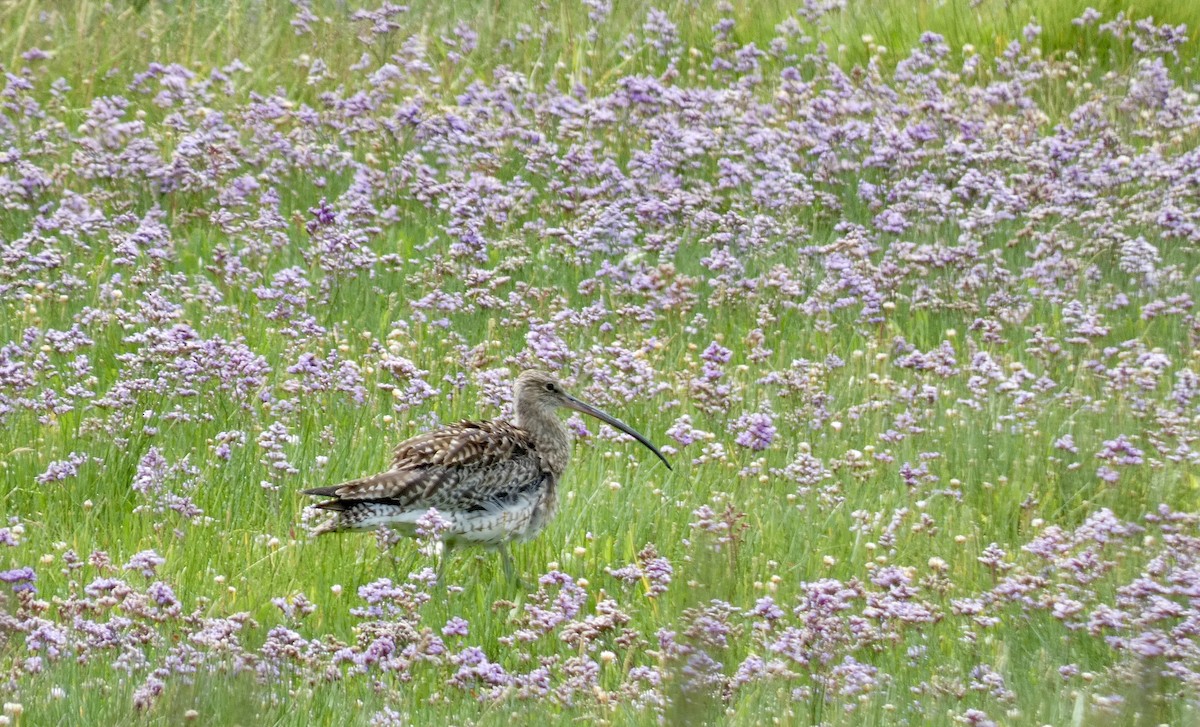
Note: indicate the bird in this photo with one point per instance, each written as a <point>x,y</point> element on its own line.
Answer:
<point>493,481</point>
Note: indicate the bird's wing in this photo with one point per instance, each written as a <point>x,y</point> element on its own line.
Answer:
<point>452,466</point>
<point>465,444</point>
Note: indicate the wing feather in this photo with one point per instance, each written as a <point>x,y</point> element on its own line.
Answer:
<point>465,444</point>
<point>453,467</point>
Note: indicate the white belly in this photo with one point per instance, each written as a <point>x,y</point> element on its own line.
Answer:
<point>489,526</point>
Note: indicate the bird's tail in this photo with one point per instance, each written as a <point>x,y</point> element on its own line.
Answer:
<point>347,515</point>
<point>334,504</point>
<point>330,491</point>
<point>339,506</point>
<point>362,503</point>
<point>374,487</point>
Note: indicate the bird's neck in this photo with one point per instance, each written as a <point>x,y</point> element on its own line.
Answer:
<point>549,435</point>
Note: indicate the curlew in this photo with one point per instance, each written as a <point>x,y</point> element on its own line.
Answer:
<point>494,482</point>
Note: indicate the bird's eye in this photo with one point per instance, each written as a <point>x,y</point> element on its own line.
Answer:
<point>550,387</point>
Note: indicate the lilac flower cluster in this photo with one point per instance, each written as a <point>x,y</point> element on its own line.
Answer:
<point>821,643</point>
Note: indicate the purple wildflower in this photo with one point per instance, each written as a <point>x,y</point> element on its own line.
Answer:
<point>21,579</point>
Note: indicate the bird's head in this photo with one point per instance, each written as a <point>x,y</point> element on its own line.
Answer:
<point>541,392</point>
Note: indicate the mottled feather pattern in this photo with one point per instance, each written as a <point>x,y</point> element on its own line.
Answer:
<point>517,516</point>
<point>426,469</point>
<point>484,477</point>
<point>465,444</point>
<point>493,481</point>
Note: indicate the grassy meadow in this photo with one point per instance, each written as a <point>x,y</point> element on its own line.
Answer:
<point>906,291</point>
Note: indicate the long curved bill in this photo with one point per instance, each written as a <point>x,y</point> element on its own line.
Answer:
<point>590,410</point>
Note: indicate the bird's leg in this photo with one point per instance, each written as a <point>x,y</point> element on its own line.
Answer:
<point>509,572</point>
<point>441,567</point>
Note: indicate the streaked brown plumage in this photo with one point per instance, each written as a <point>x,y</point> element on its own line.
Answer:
<point>494,481</point>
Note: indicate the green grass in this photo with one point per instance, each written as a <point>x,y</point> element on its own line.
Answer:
<point>90,38</point>
<point>254,551</point>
